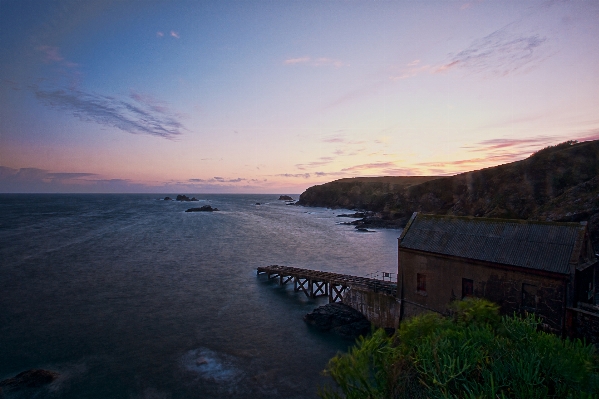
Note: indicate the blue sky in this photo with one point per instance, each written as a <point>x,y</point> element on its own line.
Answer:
<point>276,96</point>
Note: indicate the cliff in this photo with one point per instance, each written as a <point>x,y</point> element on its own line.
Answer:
<point>557,183</point>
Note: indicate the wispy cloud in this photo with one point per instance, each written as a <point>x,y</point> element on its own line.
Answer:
<point>507,50</point>
<point>295,175</point>
<point>511,143</point>
<point>175,34</point>
<point>51,55</point>
<point>143,118</point>
<point>159,34</point>
<point>322,161</point>
<point>218,179</point>
<point>369,166</point>
<point>340,138</point>
<point>315,62</point>
<point>500,53</point>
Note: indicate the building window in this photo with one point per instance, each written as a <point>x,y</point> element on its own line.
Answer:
<point>420,282</point>
<point>529,296</point>
<point>467,288</point>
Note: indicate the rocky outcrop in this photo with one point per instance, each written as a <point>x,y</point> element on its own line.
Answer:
<point>285,198</point>
<point>339,319</point>
<point>205,208</point>
<point>33,378</point>
<point>355,215</point>
<point>168,199</point>
<point>185,198</point>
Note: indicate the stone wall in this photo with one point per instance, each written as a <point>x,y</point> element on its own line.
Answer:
<point>381,310</point>
<point>444,279</point>
<point>583,324</point>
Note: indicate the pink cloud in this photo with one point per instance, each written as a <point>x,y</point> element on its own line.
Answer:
<point>590,135</point>
<point>368,166</point>
<point>324,161</point>
<point>51,54</point>
<point>293,61</point>
<point>495,144</point>
<point>445,67</point>
<point>159,34</point>
<point>175,34</point>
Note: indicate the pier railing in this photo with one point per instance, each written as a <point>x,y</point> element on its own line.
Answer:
<point>315,283</point>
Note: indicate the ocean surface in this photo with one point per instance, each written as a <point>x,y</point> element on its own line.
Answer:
<point>128,296</point>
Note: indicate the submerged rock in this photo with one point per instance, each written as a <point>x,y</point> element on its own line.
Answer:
<point>352,215</point>
<point>33,378</point>
<point>205,208</point>
<point>340,319</point>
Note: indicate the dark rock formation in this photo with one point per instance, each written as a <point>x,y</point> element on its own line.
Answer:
<point>182,198</point>
<point>355,215</point>
<point>205,208</point>
<point>285,198</point>
<point>194,199</point>
<point>33,378</point>
<point>257,203</point>
<point>339,319</point>
<point>167,198</point>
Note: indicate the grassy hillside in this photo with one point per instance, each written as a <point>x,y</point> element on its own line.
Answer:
<point>368,193</point>
<point>552,184</point>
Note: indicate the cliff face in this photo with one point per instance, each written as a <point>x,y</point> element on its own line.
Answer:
<point>552,184</point>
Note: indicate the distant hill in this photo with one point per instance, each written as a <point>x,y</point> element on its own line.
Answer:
<point>556,183</point>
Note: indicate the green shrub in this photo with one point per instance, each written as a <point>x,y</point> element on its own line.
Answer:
<point>473,354</point>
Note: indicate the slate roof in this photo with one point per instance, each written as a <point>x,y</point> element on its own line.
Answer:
<point>544,246</point>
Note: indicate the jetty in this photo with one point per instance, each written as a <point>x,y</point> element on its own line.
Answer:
<point>315,283</point>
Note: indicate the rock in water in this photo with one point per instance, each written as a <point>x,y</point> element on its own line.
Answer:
<point>167,199</point>
<point>33,378</point>
<point>285,198</point>
<point>340,319</point>
<point>205,208</point>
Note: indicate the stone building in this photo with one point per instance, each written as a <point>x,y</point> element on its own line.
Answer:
<point>524,266</point>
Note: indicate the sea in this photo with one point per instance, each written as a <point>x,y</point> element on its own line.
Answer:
<point>129,296</point>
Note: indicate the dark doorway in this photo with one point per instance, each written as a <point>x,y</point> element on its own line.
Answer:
<point>467,288</point>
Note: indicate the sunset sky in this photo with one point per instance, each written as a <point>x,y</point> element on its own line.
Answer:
<point>276,96</point>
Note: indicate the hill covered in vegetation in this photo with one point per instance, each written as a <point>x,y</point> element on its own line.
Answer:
<point>473,354</point>
<point>559,183</point>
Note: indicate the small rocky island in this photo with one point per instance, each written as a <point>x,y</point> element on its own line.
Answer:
<point>285,198</point>
<point>205,208</point>
<point>185,198</point>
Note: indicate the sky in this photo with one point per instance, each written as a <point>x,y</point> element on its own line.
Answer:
<point>277,96</point>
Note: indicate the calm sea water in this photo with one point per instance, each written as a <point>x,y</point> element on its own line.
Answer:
<point>128,296</point>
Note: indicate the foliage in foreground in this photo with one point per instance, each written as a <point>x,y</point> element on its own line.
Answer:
<point>475,354</point>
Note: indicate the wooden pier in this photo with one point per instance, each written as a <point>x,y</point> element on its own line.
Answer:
<point>316,283</point>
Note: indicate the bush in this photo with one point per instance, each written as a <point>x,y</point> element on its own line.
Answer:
<point>474,354</point>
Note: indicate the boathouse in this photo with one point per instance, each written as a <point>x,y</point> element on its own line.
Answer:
<point>545,268</point>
